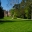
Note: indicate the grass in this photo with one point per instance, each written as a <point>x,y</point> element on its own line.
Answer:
<point>7,18</point>
<point>16,25</point>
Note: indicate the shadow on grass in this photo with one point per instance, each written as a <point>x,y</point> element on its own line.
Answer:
<point>4,21</point>
<point>1,22</point>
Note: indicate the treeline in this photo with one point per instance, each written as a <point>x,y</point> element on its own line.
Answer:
<point>22,10</point>
<point>1,11</point>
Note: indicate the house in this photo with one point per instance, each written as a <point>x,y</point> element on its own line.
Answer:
<point>6,13</point>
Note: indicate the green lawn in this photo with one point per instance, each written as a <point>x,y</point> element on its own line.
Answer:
<point>16,25</point>
<point>7,18</point>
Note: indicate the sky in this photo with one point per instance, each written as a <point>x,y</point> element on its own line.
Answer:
<point>5,2</point>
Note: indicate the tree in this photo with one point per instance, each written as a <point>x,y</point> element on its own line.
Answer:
<point>1,11</point>
<point>12,11</point>
<point>23,10</point>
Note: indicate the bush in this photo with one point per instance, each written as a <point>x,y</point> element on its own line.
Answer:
<point>15,17</point>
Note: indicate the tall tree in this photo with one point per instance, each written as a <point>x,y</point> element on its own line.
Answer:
<point>23,8</point>
<point>1,11</point>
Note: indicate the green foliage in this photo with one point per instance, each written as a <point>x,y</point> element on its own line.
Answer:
<point>12,12</point>
<point>29,12</point>
<point>22,10</point>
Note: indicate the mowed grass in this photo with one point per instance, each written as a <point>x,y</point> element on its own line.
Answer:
<point>16,25</point>
<point>7,18</point>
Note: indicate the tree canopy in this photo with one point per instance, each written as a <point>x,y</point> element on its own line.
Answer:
<point>23,9</point>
